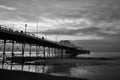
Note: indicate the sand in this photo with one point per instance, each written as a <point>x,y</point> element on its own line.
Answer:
<point>22,75</point>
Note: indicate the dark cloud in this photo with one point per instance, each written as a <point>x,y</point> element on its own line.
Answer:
<point>108,14</point>
<point>61,31</point>
<point>108,11</point>
<point>97,10</point>
<point>103,10</point>
<point>107,45</point>
<point>103,32</point>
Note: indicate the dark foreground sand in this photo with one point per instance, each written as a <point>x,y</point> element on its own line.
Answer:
<point>22,75</point>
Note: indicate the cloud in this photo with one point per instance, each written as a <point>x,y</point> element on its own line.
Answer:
<point>90,17</point>
<point>7,8</point>
<point>65,22</point>
<point>71,37</point>
<point>20,25</point>
<point>70,34</point>
<point>107,10</point>
<point>94,24</point>
<point>100,31</point>
<point>103,45</point>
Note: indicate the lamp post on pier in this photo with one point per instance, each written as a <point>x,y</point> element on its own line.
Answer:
<point>37,28</point>
<point>25,28</point>
<point>13,27</point>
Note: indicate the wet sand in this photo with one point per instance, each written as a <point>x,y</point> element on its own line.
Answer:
<point>82,61</point>
<point>22,75</point>
<point>81,68</point>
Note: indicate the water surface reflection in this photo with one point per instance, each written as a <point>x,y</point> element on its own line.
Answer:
<point>89,69</point>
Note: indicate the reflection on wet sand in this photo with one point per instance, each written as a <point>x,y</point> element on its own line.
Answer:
<point>93,69</point>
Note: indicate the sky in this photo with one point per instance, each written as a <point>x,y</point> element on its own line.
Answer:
<point>92,24</point>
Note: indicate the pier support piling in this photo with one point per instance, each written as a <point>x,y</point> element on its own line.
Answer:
<point>44,51</point>
<point>4,48</point>
<point>12,53</point>
<point>30,49</point>
<point>23,51</point>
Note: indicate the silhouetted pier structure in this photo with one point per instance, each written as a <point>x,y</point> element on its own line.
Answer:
<point>31,47</point>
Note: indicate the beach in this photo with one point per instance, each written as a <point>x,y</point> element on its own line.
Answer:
<point>90,68</point>
<point>22,75</point>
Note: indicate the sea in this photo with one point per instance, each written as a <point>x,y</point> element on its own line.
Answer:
<point>89,69</point>
<point>101,54</point>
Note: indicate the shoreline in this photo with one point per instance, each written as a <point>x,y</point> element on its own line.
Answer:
<point>23,75</point>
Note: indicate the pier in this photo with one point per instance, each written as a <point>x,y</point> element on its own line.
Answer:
<point>23,46</point>
<point>23,51</point>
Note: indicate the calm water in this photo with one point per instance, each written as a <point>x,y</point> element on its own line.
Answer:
<point>101,54</point>
<point>109,71</point>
